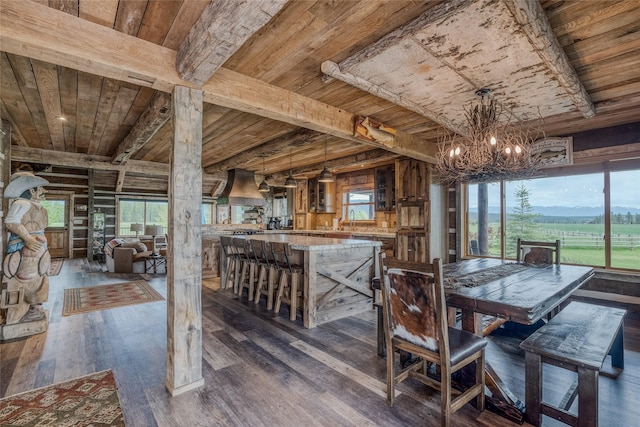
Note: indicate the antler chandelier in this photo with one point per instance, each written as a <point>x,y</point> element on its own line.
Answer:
<point>496,147</point>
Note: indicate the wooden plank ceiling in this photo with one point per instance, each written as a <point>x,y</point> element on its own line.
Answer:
<point>68,101</point>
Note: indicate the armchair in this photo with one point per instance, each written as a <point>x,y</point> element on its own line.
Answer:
<point>126,256</point>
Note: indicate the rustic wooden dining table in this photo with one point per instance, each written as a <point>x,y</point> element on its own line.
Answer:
<point>521,293</point>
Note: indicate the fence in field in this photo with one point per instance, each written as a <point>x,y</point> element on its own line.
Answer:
<point>577,239</point>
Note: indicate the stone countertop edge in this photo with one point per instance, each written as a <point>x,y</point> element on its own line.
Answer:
<point>352,233</point>
<point>316,243</point>
<point>339,244</point>
<point>296,232</point>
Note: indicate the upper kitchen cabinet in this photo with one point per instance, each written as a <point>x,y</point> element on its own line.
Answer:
<point>385,188</point>
<point>413,179</point>
<point>322,196</point>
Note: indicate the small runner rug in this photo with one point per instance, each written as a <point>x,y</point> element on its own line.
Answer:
<point>55,267</point>
<point>91,400</point>
<point>83,300</point>
<point>482,277</point>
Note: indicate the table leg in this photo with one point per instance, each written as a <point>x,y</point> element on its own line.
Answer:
<point>587,395</point>
<point>502,401</point>
<point>472,322</point>
<point>533,392</point>
<point>617,350</point>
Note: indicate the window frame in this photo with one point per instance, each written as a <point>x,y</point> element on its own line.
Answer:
<point>346,190</point>
<point>604,169</point>
<point>120,199</point>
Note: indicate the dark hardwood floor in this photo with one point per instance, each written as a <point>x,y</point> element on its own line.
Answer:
<point>261,369</point>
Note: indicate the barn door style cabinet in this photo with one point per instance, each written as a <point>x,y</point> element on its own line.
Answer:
<point>412,238</point>
<point>385,188</point>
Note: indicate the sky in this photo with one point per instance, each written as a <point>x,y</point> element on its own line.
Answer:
<point>572,191</point>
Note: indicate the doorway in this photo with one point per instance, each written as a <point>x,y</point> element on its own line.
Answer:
<point>57,232</point>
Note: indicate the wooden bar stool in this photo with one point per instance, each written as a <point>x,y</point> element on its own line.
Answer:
<point>265,285</point>
<point>237,246</point>
<point>248,267</point>
<point>232,264</point>
<point>289,283</point>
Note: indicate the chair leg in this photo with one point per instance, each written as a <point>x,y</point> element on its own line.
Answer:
<point>236,276</point>
<point>445,394</point>
<point>252,278</point>
<point>480,401</point>
<point>231,265</point>
<point>271,283</point>
<point>391,376</point>
<point>259,284</point>
<point>243,276</point>
<point>281,285</point>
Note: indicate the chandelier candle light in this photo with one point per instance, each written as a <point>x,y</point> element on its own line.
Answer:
<point>496,147</point>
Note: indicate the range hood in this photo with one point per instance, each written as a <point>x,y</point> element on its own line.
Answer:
<point>241,189</point>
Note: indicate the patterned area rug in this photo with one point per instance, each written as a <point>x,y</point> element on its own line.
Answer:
<point>83,300</point>
<point>86,401</point>
<point>55,267</point>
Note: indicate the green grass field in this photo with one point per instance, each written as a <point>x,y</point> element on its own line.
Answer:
<point>582,243</point>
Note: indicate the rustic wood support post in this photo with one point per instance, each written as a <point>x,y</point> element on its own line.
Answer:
<point>184,270</point>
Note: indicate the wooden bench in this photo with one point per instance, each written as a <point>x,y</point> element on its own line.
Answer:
<point>578,339</point>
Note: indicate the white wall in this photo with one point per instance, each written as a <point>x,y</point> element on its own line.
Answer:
<point>439,222</point>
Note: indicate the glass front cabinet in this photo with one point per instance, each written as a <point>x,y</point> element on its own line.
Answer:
<point>385,188</point>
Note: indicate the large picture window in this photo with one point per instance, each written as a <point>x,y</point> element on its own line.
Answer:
<point>572,209</point>
<point>139,211</point>
<point>625,219</point>
<point>484,219</point>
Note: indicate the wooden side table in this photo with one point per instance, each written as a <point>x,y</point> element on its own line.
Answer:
<point>152,263</point>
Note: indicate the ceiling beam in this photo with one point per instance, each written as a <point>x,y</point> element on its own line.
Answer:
<point>88,161</point>
<point>281,144</point>
<point>364,159</point>
<point>33,30</point>
<point>223,27</point>
<point>151,120</point>
<point>334,70</point>
<point>534,23</point>
<point>528,16</point>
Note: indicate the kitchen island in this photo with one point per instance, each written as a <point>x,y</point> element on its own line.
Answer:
<point>337,274</point>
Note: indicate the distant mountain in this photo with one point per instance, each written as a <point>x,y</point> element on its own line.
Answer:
<point>577,211</point>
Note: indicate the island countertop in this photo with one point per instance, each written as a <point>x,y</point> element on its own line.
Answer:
<point>354,233</point>
<point>313,243</point>
<point>337,274</point>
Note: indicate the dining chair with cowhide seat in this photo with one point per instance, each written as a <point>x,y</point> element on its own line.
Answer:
<point>415,321</point>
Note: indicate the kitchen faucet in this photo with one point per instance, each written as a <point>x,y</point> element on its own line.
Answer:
<point>352,218</point>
